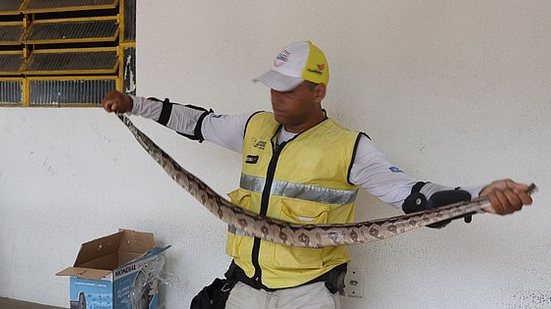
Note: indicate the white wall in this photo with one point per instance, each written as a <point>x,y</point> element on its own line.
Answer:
<point>456,92</point>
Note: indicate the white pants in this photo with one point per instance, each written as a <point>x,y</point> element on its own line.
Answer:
<point>314,296</point>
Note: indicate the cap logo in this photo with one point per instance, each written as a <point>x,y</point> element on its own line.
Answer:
<point>282,58</point>
<point>318,70</point>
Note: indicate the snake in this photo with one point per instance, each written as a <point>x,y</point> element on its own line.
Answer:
<point>302,235</point>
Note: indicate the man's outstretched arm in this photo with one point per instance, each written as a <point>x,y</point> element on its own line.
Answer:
<point>390,184</point>
<point>193,122</point>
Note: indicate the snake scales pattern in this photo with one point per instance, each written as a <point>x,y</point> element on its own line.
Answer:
<point>314,236</point>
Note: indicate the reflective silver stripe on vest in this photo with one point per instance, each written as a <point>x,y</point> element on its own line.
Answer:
<point>300,191</point>
<point>239,232</point>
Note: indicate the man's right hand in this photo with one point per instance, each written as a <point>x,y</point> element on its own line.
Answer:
<point>115,101</point>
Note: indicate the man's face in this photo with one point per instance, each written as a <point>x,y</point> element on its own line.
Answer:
<point>295,107</point>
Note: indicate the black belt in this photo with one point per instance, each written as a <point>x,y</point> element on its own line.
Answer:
<point>334,279</point>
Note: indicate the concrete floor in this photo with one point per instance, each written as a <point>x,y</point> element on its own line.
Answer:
<point>6,303</point>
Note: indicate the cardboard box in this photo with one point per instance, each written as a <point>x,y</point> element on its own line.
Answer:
<point>118,271</point>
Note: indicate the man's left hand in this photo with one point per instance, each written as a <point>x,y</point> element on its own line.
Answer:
<point>506,196</point>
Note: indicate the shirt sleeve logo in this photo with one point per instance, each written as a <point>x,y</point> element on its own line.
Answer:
<point>395,169</point>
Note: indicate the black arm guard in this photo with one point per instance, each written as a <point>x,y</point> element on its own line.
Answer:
<point>167,110</point>
<point>417,201</point>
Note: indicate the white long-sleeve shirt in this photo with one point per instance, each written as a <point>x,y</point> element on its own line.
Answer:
<point>370,169</point>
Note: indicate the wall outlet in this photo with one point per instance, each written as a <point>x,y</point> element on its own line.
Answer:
<point>354,282</point>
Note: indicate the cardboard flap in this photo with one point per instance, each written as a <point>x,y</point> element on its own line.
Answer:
<point>138,242</point>
<point>106,262</point>
<point>86,273</point>
<point>98,248</point>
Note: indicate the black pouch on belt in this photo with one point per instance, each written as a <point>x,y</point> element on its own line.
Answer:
<point>334,280</point>
<point>216,294</point>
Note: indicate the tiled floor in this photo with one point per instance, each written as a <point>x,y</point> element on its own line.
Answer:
<point>6,303</point>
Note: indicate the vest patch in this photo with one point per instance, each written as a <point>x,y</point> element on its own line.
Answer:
<point>251,159</point>
<point>260,144</point>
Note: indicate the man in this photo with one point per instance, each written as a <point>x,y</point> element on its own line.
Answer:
<point>302,167</point>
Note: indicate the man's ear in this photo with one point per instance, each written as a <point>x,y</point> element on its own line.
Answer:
<point>319,92</point>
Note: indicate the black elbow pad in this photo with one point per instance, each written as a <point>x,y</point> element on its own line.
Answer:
<point>197,134</point>
<point>448,197</point>
<point>417,201</point>
<point>167,111</point>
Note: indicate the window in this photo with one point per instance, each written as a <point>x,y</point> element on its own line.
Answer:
<point>66,52</point>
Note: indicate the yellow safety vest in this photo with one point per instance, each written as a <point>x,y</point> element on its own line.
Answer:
<point>304,180</point>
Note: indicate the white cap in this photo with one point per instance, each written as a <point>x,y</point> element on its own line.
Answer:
<point>296,63</point>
